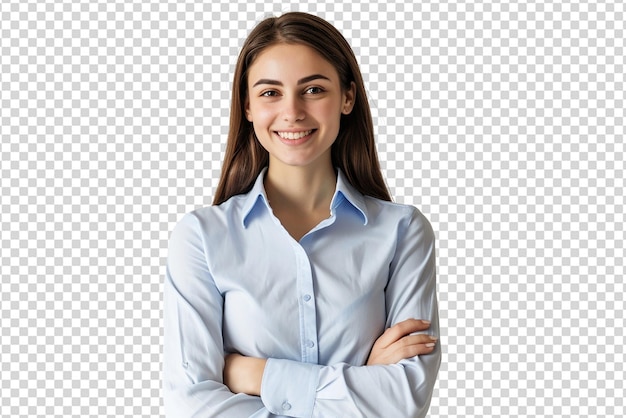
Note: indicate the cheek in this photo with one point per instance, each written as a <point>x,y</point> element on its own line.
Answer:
<point>331,115</point>
<point>261,116</point>
<point>327,110</point>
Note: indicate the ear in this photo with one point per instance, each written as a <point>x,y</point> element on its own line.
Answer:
<point>349,97</point>
<point>246,108</point>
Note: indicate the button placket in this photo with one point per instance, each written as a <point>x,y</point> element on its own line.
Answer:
<point>306,305</point>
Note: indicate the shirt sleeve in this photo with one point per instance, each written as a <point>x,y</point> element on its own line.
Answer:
<point>193,355</point>
<point>398,390</point>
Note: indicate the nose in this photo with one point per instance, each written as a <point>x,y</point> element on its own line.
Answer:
<point>293,110</point>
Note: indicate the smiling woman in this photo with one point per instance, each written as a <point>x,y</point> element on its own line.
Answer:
<point>303,291</point>
<point>295,115</point>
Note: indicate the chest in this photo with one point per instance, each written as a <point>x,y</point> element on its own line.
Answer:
<point>281,296</point>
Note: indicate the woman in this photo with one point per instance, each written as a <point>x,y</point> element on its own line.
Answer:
<point>303,291</point>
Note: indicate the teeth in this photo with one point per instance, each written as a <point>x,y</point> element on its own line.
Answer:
<point>294,135</point>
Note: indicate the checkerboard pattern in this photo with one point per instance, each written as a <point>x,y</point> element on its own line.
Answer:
<point>504,123</point>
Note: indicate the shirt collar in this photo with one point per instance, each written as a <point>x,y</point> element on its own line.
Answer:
<point>254,196</point>
<point>346,192</point>
<point>343,192</point>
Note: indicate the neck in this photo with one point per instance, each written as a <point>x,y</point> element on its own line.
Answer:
<point>304,189</point>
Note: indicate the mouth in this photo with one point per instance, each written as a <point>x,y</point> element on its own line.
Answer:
<point>294,135</point>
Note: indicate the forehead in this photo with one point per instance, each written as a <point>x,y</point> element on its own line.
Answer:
<point>290,62</point>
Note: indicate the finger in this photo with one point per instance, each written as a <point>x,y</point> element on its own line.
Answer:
<point>409,351</point>
<point>413,345</point>
<point>416,339</point>
<point>399,330</point>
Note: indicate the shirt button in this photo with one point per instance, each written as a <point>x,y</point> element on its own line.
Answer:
<point>310,344</point>
<point>306,298</point>
<point>286,406</point>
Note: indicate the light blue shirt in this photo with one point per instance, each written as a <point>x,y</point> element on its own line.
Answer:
<point>236,281</point>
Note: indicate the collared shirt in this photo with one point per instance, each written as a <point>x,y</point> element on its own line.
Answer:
<point>236,281</point>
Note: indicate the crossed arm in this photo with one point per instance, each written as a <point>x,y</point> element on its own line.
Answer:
<point>244,374</point>
<point>398,377</point>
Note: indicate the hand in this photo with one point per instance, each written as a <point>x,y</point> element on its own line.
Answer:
<point>244,374</point>
<point>397,343</point>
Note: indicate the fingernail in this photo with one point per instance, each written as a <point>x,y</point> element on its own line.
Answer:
<point>430,345</point>
<point>432,337</point>
<point>425,321</point>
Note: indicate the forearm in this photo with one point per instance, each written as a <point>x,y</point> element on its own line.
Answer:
<point>308,390</point>
<point>208,399</point>
<point>303,390</point>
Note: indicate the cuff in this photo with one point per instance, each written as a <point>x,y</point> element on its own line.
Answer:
<point>289,387</point>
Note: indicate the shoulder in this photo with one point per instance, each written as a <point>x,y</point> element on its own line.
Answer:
<point>211,220</point>
<point>404,217</point>
<point>384,209</point>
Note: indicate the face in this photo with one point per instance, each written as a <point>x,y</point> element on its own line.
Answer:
<point>295,102</point>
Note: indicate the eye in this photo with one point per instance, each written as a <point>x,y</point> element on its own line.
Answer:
<point>269,93</point>
<point>314,90</point>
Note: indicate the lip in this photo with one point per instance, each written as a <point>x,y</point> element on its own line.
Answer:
<point>294,142</point>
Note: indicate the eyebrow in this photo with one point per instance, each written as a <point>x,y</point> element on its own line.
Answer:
<point>301,81</point>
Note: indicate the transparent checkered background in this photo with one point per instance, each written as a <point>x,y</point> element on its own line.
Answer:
<point>504,123</point>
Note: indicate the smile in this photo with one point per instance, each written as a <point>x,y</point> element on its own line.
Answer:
<point>294,135</point>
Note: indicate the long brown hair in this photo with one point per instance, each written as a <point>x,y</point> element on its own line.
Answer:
<point>354,150</point>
